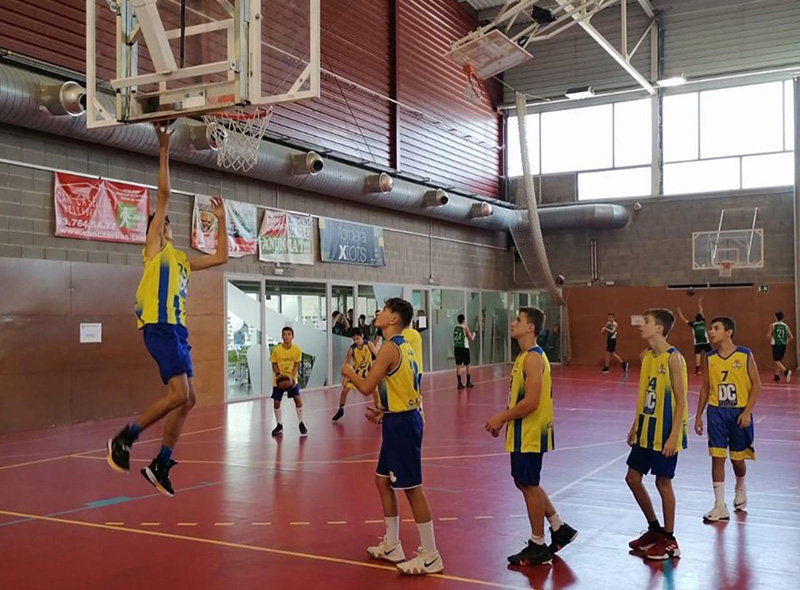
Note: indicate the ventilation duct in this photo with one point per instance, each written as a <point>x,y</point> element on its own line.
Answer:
<point>25,95</point>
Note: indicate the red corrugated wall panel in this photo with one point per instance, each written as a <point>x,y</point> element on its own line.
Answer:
<point>430,82</point>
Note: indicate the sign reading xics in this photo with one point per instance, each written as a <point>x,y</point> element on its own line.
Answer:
<point>351,243</point>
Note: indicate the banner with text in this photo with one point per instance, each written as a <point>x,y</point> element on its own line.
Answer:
<point>97,209</point>
<point>351,243</point>
<point>285,238</point>
<point>242,227</point>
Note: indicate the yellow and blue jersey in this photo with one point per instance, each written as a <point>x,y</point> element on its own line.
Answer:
<point>656,403</point>
<point>398,391</point>
<point>362,359</point>
<point>532,433</point>
<point>285,358</point>
<point>161,295</point>
<point>728,379</point>
<point>414,340</point>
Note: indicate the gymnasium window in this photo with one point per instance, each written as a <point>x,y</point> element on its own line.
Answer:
<point>728,139</point>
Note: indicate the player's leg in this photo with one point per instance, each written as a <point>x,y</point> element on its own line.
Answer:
<point>468,362</point>
<point>277,398</point>
<point>526,471</point>
<point>428,561</point>
<point>667,546</point>
<point>342,401</point>
<point>294,394</point>
<point>719,429</point>
<point>698,358</point>
<point>740,496</point>
<point>389,548</point>
<point>458,370</point>
<point>741,449</point>
<point>639,464</point>
<point>561,534</point>
<point>607,361</point>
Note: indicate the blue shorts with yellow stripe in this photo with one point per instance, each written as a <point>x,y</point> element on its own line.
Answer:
<point>724,433</point>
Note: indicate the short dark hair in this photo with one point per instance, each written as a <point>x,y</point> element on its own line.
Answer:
<point>536,317</point>
<point>150,219</point>
<point>727,323</point>
<point>779,315</point>
<point>698,317</point>
<point>288,329</point>
<point>335,314</point>
<point>362,317</point>
<point>663,317</point>
<point>611,313</point>
<point>460,318</point>
<point>357,332</point>
<point>402,308</point>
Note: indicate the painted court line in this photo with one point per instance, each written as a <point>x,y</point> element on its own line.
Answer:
<point>214,542</point>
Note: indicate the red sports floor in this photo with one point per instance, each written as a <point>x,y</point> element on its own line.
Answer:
<point>255,512</point>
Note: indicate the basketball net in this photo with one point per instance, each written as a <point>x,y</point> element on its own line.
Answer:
<point>236,135</point>
<point>473,91</point>
<point>726,269</point>
<point>527,232</point>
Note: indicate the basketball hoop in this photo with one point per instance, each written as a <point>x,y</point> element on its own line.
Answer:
<point>473,91</point>
<point>236,135</point>
<point>726,268</point>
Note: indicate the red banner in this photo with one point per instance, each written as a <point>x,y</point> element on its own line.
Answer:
<point>97,209</point>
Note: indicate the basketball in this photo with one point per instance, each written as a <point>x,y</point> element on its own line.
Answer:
<point>560,279</point>
<point>284,382</point>
<point>690,291</point>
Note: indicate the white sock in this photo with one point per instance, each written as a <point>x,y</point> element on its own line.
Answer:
<point>555,522</point>
<point>392,529</point>
<point>719,494</point>
<point>278,416</point>
<point>537,540</point>
<point>426,538</point>
<point>740,484</point>
<point>299,414</point>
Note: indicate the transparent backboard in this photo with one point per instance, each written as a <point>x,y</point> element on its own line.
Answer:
<point>150,60</point>
<point>744,248</point>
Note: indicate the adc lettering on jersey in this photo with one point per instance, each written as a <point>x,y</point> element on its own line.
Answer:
<point>726,394</point>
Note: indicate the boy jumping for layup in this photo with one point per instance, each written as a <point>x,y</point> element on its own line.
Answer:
<point>730,388</point>
<point>529,434</point>
<point>779,335</point>
<point>699,336</point>
<point>360,356</point>
<point>610,330</point>
<point>161,315</point>
<point>658,433</point>
<point>395,375</point>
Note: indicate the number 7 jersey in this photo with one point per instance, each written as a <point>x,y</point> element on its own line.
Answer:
<point>728,379</point>
<point>656,404</point>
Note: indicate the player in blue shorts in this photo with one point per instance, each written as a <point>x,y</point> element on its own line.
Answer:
<point>658,433</point>
<point>730,388</point>
<point>161,316</point>
<point>396,375</point>
<point>529,435</point>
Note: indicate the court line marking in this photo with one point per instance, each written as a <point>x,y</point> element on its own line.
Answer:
<point>282,552</point>
<point>337,522</point>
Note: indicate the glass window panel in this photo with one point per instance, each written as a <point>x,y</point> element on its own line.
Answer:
<point>743,120</point>
<point>473,321</point>
<point>420,300</point>
<point>700,177</point>
<point>680,127</point>
<point>577,139</point>
<point>244,339</point>
<point>303,307</point>
<point>614,184</point>
<point>770,170</point>
<point>513,151</point>
<point>633,133</point>
<point>788,115</point>
<point>446,304</point>
<point>341,326</point>
<point>370,300</point>
<point>494,325</point>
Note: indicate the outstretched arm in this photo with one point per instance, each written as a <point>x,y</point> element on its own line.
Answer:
<point>221,254</point>
<point>700,307</point>
<point>153,241</point>
<point>682,317</point>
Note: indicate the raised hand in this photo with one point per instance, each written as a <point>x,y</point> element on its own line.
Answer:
<point>163,131</point>
<point>218,207</point>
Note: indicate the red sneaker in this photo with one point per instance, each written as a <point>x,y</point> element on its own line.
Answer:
<point>645,541</point>
<point>664,548</point>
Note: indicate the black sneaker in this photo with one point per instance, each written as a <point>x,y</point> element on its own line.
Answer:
<point>561,538</point>
<point>339,413</point>
<point>533,554</point>
<point>303,429</point>
<point>119,453</point>
<point>158,475</point>
<point>277,430</point>
<point>470,385</point>
<point>460,385</point>
<point>604,370</point>
<point>625,367</point>
<point>776,378</point>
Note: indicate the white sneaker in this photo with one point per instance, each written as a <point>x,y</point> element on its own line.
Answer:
<point>740,499</point>
<point>383,550</point>
<point>423,563</point>
<point>788,376</point>
<point>717,513</point>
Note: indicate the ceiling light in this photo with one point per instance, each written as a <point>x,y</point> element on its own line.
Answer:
<point>579,93</point>
<point>672,82</point>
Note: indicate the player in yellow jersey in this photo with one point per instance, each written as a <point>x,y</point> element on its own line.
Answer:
<point>161,316</point>
<point>395,373</point>
<point>360,355</point>
<point>730,388</point>
<point>529,435</point>
<point>658,433</point>
<point>285,359</point>
<point>414,339</point>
